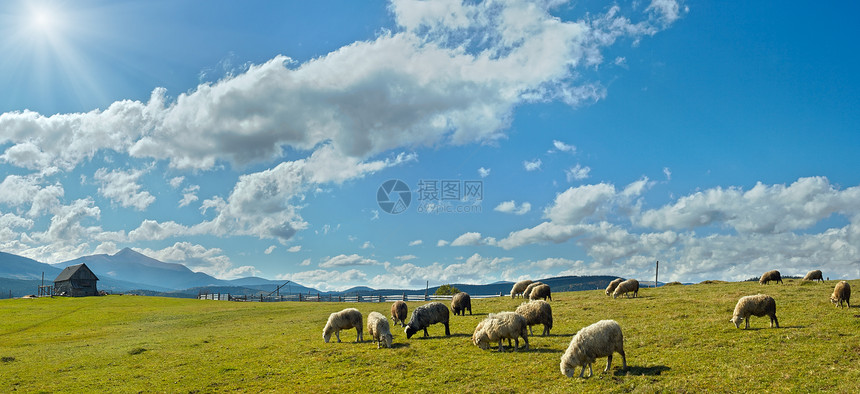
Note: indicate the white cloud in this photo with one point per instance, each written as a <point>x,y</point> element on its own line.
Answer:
<point>407,257</point>
<point>577,173</point>
<point>483,172</point>
<point>442,242</point>
<point>270,249</point>
<point>189,195</point>
<point>472,239</point>
<point>122,187</point>
<point>668,173</point>
<point>416,242</point>
<point>175,182</point>
<point>200,259</point>
<point>343,260</point>
<point>511,207</point>
<point>367,245</point>
<point>575,204</point>
<point>562,147</point>
<point>294,248</point>
<point>475,269</point>
<point>532,165</point>
<point>326,280</point>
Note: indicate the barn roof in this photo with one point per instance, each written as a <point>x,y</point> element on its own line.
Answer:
<point>70,271</point>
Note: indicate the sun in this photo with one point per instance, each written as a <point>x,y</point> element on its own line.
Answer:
<point>43,19</point>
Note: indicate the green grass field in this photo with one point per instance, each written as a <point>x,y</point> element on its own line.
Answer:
<point>677,338</point>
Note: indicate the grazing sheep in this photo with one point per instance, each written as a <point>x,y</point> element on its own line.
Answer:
<point>399,311</point>
<point>541,292</point>
<point>841,292</point>
<point>460,302</point>
<point>519,287</point>
<point>628,286</point>
<point>343,320</point>
<point>537,312</point>
<point>600,339</point>
<point>755,305</point>
<point>377,327</point>
<point>499,326</point>
<point>530,288</point>
<point>425,315</point>
<point>612,285</point>
<point>770,276</point>
<point>814,275</point>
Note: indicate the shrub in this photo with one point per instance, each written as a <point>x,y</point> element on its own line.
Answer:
<point>447,290</point>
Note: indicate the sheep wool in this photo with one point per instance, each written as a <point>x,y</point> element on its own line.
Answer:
<point>499,326</point>
<point>600,339</point>
<point>399,311</point>
<point>755,305</point>
<point>519,287</point>
<point>628,286</point>
<point>814,275</point>
<point>343,320</point>
<point>377,326</point>
<point>612,285</point>
<point>460,302</point>
<point>536,312</point>
<point>425,315</point>
<point>842,292</point>
<point>769,276</point>
<point>541,292</point>
<point>530,288</point>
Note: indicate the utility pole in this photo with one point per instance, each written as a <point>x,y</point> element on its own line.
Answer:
<point>656,272</point>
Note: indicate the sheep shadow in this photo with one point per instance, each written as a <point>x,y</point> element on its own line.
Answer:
<point>655,370</point>
<point>543,350</point>
<point>399,345</point>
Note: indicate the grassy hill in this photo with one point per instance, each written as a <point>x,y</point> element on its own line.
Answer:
<point>677,338</point>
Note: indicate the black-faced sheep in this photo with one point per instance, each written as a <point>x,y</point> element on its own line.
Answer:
<point>500,326</point>
<point>399,311</point>
<point>377,327</point>
<point>541,292</point>
<point>425,315</point>
<point>519,287</point>
<point>343,320</point>
<point>814,275</point>
<point>770,276</point>
<point>537,312</point>
<point>529,289</point>
<point>754,305</point>
<point>612,285</point>
<point>600,339</point>
<point>460,302</point>
<point>841,292</point>
<point>628,286</point>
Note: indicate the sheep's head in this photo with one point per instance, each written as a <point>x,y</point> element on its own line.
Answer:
<point>327,331</point>
<point>737,320</point>
<point>567,369</point>
<point>834,300</point>
<point>410,331</point>
<point>481,340</point>
<point>386,340</point>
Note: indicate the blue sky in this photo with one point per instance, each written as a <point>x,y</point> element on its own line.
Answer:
<point>251,138</point>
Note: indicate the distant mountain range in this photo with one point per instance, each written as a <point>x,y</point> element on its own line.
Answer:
<point>128,271</point>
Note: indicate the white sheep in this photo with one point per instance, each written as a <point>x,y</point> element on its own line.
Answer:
<point>529,289</point>
<point>500,326</point>
<point>754,305</point>
<point>814,275</point>
<point>519,287</point>
<point>628,286</point>
<point>377,327</point>
<point>769,276</point>
<point>425,315</point>
<point>541,291</point>
<point>343,320</point>
<point>612,285</point>
<point>841,292</point>
<point>537,312</point>
<point>600,339</point>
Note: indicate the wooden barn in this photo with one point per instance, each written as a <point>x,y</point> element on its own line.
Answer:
<point>76,281</point>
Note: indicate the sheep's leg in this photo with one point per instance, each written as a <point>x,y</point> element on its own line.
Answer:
<point>623,360</point>
<point>501,348</point>
<point>608,362</point>
<point>526,340</point>
<point>337,334</point>
<point>516,343</point>
<point>426,334</point>
<point>775,321</point>
<point>448,330</point>
<point>530,331</point>
<point>747,319</point>
<point>360,336</point>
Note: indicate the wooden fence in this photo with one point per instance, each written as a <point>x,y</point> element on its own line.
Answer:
<point>331,298</point>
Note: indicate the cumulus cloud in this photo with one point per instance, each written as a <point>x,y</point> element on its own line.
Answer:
<point>200,259</point>
<point>483,172</point>
<point>122,187</point>
<point>326,280</point>
<point>189,195</point>
<point>475,269</point>
<point>577,173</point>
<point>416,242</point>
<point>294,248</point>
<point>562,147</point>
<point>532,165</point>
<point>511,207</point>
<point>343,260</point>
<point>472,239</point>
<point>270,249</point>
